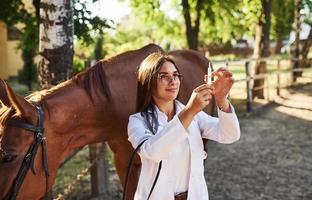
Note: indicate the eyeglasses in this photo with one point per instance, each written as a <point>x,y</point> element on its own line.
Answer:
<point>166,78</point>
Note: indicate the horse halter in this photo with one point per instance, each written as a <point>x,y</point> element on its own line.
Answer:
<point>29,159</point>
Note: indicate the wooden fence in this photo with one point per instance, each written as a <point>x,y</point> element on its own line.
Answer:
<point>271,79</point>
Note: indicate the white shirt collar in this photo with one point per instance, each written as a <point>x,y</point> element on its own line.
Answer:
<point>162,117</point>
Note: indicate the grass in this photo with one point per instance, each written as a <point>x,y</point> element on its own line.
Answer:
<point>19,88</point>
<point>68,173</point>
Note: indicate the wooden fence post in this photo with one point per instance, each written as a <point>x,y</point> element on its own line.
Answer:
<point>278,71</point>
<point>248,86</point>
<point>268,86</point>
<point>227,67</point>
<point>99,171</point>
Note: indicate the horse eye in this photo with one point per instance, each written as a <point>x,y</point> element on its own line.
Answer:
<point>8,158</point>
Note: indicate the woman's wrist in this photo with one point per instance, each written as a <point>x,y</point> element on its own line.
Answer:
<point>223,104</point>
<point>189,111</point>
<point>186,116</point>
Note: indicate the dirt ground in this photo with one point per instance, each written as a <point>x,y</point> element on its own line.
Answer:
<point>273,158</point>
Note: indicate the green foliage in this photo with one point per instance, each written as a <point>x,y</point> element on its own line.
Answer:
<point>162,22</point>
<point>12,11</point>
<point>307,6</point>
<point>148,9</point>
<point>99,52</point>
<point>156,24</point>
<point>28,74</point>
<point>222,21</point>
<point>19,88</point>
<point>17,13</point>
<point>252,11</point>
<point>87,26</point>
<point>142,26</point>
<point>282,18</point>
<point>78,65</point>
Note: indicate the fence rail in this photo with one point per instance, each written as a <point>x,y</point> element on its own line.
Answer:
<point>250,77</point>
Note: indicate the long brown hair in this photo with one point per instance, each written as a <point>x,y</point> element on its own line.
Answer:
<point>147,77</point>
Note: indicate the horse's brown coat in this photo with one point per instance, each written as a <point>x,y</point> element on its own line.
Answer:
<point>94,106</point>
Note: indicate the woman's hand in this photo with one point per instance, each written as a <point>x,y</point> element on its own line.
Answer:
<point>200,98</point>
<point>222,86</point>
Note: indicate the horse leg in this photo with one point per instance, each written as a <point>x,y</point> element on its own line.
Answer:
<point>123,150</point>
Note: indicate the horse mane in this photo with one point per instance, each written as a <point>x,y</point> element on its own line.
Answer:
<point>5,113</point>
<point>95,77</point>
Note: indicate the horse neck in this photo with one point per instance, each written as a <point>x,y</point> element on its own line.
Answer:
<point>73,118</point>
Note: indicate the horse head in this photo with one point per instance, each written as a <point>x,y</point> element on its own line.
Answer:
<point>15,141</point>
<point>38,132</point>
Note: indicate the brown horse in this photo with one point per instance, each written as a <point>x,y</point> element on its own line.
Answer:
<point>92,107</point>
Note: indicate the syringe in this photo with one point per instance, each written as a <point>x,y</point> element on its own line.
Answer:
<point>209,74</point>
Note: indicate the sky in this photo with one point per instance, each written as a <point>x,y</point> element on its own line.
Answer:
<point>110,9</point>
<point>116,9</point>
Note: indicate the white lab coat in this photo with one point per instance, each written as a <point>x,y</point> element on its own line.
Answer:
<point>160,146</point>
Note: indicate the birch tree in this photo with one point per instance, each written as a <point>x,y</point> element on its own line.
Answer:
<point>56,42</point>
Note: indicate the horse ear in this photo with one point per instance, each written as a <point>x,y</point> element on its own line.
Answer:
<point>19,104</point>
<point>3,94</point>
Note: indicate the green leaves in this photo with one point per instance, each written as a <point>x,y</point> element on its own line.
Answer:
<point>220,22</point>
<point>223,21</point>
<point>307,11</point>
<point>282,18</point>
<point>12,11</point>
<point>86,25</point>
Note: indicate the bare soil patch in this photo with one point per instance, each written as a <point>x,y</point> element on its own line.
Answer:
<point>273,158</point>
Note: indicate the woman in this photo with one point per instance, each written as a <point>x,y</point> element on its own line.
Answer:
<point>173,151</point>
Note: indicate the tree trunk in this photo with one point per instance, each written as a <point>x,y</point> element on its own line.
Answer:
<point>192,31</point>
<point>28,56</point>
<point>306,48</point>
<point>56,42</point>
<point>279,45</point>
<point>99,171</point>
<point>262,43</point>
<point>259,43</point>
<point>267,6</point>
<point>297,39</point>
